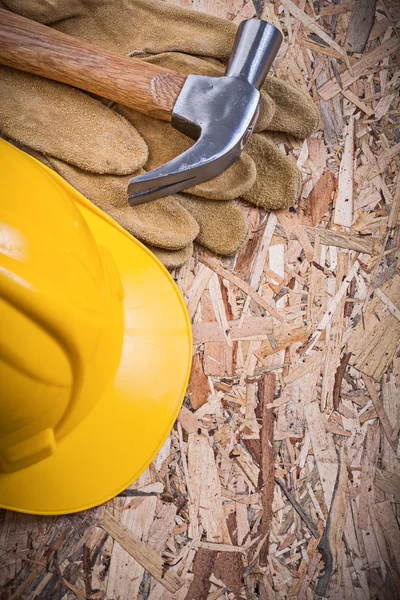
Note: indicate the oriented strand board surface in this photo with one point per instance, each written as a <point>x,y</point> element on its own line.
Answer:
<point>281,477</point>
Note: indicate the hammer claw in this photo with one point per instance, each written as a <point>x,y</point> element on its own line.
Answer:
<point>144,189</point>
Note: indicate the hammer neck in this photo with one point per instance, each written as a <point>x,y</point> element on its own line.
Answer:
<point>256,46</point>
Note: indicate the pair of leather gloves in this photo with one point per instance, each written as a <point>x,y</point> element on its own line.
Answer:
<point>98,146</point>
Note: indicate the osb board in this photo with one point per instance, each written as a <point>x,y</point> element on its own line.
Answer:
<point>281,478</point>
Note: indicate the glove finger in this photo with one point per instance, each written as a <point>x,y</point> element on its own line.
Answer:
<point>127,25</point>
<point>172,259</point>
<point>56,119</point>
<point>187,64</point>
<point>165,143</point>
<point>223,227</point>
<point>164,222</point>
<point>295,112</point>
<point>278,181</point>
<point>151,26</point>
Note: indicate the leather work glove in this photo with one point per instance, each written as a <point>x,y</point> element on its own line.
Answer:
<point>98,148</point>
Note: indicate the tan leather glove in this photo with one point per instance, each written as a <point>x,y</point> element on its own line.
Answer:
<point>263,176</point>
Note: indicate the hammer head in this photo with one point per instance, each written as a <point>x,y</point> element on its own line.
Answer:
<point>218,112</point>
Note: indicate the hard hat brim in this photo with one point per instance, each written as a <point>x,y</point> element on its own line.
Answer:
<point>122,434</point>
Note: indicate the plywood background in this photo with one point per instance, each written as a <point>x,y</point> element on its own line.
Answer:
<point>281,478</point>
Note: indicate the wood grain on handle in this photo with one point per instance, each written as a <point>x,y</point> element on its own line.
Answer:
<point>35,48</point>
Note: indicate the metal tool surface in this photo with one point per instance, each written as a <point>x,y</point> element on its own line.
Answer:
<point>218,112</point>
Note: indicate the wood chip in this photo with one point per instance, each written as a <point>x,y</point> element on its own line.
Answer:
<point>340,239</point>
<point>324,450</point>
<point>360,25</point>
<point>252,328</point>
<point>331,88</point>
<point>206,489</point>
<point>267,462</point>
<point>242,285</point>
<point>311,25</point>
<point>145,556</point>
<point>344,199</point>
<point>382,416</point>
<point>374,340</point>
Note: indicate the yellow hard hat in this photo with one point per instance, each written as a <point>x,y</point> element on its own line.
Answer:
<point>95,346</point>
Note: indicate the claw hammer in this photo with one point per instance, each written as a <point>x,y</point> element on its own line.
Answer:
<point>219,113</point>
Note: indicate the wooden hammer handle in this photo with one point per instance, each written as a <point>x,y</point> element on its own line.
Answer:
<point>35,48</point>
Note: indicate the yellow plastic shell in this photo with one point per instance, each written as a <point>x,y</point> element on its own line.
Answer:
<point>95,346</point>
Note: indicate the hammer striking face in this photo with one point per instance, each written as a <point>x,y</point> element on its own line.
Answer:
<point>218,112</point>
